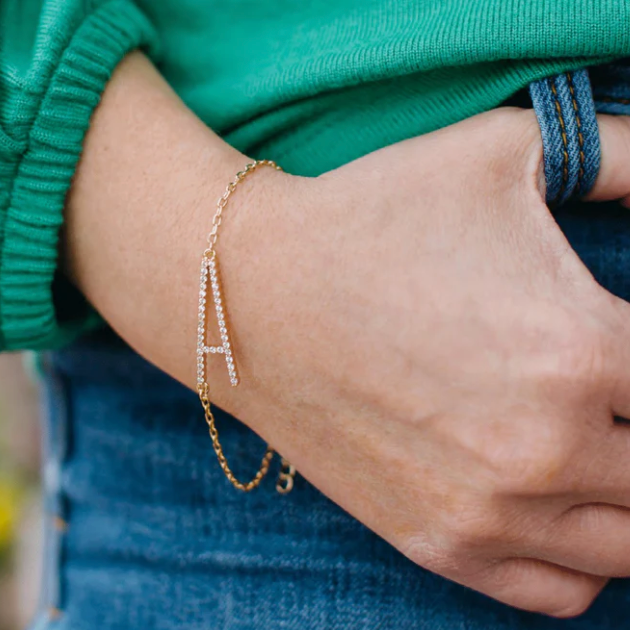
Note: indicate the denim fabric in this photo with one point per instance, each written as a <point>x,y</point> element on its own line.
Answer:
<point>611,88</point>
<point>566,114</point>
<point>144,531</point>
<point>157,538</point>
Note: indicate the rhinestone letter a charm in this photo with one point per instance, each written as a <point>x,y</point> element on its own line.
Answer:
<point>210,272</point>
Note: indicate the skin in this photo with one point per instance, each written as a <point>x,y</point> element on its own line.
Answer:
<point>412,330</point>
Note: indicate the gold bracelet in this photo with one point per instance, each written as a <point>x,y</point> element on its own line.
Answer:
<point>210,273</point>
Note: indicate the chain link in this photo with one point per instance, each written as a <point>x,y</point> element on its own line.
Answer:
<point>287,473</point>
<point>214,435</point>
<point>231,187</point>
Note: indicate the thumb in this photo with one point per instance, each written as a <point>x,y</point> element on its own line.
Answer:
<point>613,181</point>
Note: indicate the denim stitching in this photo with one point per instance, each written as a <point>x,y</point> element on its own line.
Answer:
<point>578,121</point>
<point>565,141</point>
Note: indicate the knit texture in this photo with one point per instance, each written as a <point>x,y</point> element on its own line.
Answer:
<point>46,101</point>
<point>317,84</point>
<point>311,84</point>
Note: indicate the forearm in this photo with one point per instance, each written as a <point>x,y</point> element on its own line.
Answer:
<point>137,217</point>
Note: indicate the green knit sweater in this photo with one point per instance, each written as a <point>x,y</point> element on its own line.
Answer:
<point>312,84</point>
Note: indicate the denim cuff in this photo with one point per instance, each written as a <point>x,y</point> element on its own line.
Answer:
<point>572,153</point>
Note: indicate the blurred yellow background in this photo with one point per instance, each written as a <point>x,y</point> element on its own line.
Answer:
<point>20,529</point>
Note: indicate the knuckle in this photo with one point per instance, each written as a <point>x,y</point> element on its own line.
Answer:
<point>525,457</point>
<point>536,467</point>
<point>574,358</point>
<point>520,139</point>
<point>515,145</point>
<point>440,556</point>
<point>473,528</point>
<point>583,361</point>
<point>515,127</point>
<point>458,539</point>
<point>431,556</point>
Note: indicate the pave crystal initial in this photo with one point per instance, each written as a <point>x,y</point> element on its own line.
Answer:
<point>210,273</point>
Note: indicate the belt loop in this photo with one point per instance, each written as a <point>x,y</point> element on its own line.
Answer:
<point>566,114</point>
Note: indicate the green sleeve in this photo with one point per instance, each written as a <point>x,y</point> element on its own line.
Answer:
<point>56,57</point>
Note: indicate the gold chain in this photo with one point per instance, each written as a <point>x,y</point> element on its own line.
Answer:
<point>225,467</point>
<point>239,177</point>
<point>209,267</point>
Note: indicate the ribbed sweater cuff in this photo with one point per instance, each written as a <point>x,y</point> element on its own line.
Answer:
<point>43,174</point>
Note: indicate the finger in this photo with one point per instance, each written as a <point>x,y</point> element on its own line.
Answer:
<point>593,539</point>
<point>537,586</point>
<point>613,181</point>
<point>617,369</point>
<point>599,471</point>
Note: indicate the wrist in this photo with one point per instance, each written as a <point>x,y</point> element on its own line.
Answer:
<point>139,211</point>
<point>253,259</point>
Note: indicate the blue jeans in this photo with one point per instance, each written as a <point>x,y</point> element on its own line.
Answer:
<point>144,532</point>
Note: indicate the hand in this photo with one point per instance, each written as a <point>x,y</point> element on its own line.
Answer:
<point>416,335</point>
<point>413,331</point>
